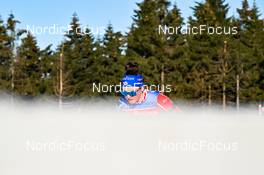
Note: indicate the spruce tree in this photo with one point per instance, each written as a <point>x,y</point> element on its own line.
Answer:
<point>77,50</point>
<point>5,57</point>
<point>144,41</point>
<point>28,72</point>
<point>143,35</point>
<point>14,36</point>
<point>251,52</point>
<point>207,51</point>
<point>87,61</point>
<point>47,61</point>
<point>178,57</point>
<point>108,66</point>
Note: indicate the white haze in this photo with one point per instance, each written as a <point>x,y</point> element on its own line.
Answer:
<point>95,138</point>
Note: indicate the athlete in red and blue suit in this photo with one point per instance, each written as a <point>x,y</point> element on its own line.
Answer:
<point>136,98</point>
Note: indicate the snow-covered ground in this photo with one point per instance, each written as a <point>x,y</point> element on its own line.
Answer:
<point>41,139</point>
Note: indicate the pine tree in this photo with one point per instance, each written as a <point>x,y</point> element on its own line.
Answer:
<point>145,41</point>
<point>96,70</point>
<point>78,47</point>
<point>62,86</point>
<point>47,61</point>
<point>113,43</point>
<point>28,72</point>
<point>244,13</point>
<point>251,52</point>
<point>5,57</point>
<point>77,60</point>
<point>14,35</point>
<point>108,66</point>
<point>203,67</point>
<point>174,19</point>
<point>211,12</point>
<point>256,28</point>
<point>143,35</point>
<point>74,35</point>
<point>87,61</point>
<point>177,49</point>
<point>207,51</point>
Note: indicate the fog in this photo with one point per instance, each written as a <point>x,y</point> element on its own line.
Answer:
<point>96,138</point>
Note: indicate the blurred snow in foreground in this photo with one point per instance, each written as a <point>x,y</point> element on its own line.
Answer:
<point>85,138</point>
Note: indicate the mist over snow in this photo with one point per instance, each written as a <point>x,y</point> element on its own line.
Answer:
<point>96,138</point>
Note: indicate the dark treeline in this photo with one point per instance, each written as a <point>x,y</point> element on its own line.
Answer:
<point>206,68</point>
